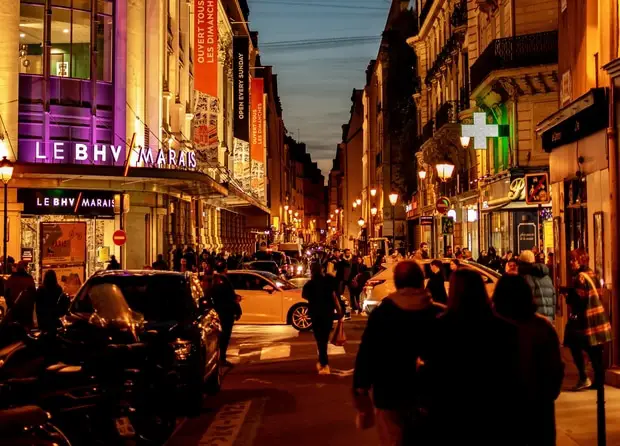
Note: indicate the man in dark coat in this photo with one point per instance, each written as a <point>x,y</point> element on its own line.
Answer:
<point>344,268</point>
<point>436,285</point>
<point>400,324</point>
<point>537,277</point>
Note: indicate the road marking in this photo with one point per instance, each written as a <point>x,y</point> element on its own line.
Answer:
<point>342,373</point>
<point>275,352</point>
<point>226,426</point>
<point>256,380</point>
<point>335,350</point>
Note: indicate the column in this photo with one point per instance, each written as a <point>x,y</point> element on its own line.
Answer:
<point>9,73</point>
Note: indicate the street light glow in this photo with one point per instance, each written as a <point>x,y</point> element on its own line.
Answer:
<point>374,210</point>
<point>373,192</point>
<point>444,170</point>
<point>358,201</point>
<point>6,170</point>
<point>422,174</point>
<point>393,198</point>
<point>361,222</point>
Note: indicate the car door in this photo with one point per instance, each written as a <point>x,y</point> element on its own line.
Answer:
<point>259,305</point>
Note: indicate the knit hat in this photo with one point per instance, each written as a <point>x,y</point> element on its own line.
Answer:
<point>527,256</point>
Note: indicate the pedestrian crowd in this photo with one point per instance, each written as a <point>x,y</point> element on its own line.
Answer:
<point>487,367</point>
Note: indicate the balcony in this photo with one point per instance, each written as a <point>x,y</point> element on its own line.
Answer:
<point>425,10</point>
<point>515,52</point>
<point>427,131</point>
<point>459,15</point>
<point>447,113</point>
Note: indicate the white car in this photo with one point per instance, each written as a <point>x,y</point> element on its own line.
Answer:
<point>382,284</point>
<point>269,299</point>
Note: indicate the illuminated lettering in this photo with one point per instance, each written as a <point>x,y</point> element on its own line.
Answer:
<point>81,153</point>
<point>59,151</point>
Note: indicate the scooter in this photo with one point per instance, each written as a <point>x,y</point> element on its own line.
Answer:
<point>29,426</point>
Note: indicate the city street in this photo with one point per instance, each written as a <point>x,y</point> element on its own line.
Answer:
<point>273,396</point>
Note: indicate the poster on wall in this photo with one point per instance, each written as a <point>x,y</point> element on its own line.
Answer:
<point>537,188</point>
<point>206,143</point>
<point>241,128</point>
<point>70,278</point>
<point>257,138</point>
<point>527,236</point>
<point>63,243</point>
<point>205,46</point>
<point>242,163</point>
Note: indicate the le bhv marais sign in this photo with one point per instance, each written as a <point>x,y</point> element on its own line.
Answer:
<point>56,152</point>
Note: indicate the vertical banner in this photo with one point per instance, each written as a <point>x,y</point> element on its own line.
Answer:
<point>242,89</point>
<point>242,163</point>
<point>205,46</point>
<point>257,138</point>
<point>206,141</point>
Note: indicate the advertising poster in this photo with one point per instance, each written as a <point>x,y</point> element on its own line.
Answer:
<point>242,163</point>
<point>70,278</point>
<point>63,243</point>
<point>257,138</point>
<point>527,236</point>
<point>537,188</point>
<point>206,143</point>
<point>205,46</point>
<point>241,47</point>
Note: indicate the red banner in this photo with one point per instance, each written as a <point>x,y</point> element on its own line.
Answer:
<point>205,46</point>
<point>257,143</point>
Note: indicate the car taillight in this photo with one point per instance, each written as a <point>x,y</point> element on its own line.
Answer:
<point>374,283</point>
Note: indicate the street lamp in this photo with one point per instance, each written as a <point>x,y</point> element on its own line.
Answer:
<point>286,207</point>
<point>361,222</point>
<point>422,174</point>
<point>465,141</point>
<point>290,211</point>
<point>354,204</point>
<point>393,200</point>
<point>337,211</point>
<point>6,173</point>
<point>444,170</point>
<point>373,192</point>
<point>374,210</point>
<point>296,214</point>
<point>358,201</point>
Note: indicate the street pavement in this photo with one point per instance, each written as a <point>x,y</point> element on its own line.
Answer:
<point>274,396</point>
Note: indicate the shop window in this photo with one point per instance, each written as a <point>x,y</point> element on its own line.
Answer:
<point>70,43</point>
<point>31,38</point>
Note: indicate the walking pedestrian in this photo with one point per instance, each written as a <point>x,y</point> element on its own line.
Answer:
<point>358,283</point>
<point>424,250</point>
<point>51,303</point>
<point>219,288</point>
<point>537,277</point>
<point>18,282</point>
<point>484,347</point>
<point>436,285</point>
<point>542,369</point>
<point>588,328</point>
<point>113,264</point>
<point>322,302</point>
<point>344,267</point>
<point>387,360</point>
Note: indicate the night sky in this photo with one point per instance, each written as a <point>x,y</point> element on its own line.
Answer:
<point>320,50</point>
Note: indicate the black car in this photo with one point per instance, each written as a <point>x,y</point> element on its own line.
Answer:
<point>164,308</point>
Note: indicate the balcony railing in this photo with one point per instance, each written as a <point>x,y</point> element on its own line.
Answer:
<point>427,131</point>
<point>425,10</point>
<point>459,15</point>
<point>448,112</point>
<point>514,52</point>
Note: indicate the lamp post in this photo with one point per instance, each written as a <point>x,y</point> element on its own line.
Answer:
<point>393,200</point>
<point>6,172</point>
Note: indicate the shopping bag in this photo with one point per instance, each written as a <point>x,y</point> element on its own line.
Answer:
<point>339,338</point>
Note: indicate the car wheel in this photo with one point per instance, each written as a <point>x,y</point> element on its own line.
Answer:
<point>213,384</point>
<point>300,317</point>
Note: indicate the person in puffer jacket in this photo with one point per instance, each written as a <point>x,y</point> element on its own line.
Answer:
<point>537,277</point>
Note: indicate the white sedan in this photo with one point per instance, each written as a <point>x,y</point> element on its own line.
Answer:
<point>269,299</point>
<point>382,284</point>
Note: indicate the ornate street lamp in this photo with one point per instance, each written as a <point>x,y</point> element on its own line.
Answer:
<point>373,192</point>
<point>374,210</point>
<point>465,141</point>
<point>358,201</point>
<point>337,211</point>
<point>6,173</point>
<point>393,200</point>
<point>444,170</point>
<point>422,174</point>
<point>361,222</point>
<point>354,205</point>
<point>286,207</point>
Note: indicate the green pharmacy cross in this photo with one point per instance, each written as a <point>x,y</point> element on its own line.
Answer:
<point>480,131</point>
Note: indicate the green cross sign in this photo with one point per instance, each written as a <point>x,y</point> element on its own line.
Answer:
<point>480,131</point>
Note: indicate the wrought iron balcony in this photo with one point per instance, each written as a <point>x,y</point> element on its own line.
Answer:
<point>427,131</point>
<point>515,52</point>
<point>447,113</point>
<point>459,15</point>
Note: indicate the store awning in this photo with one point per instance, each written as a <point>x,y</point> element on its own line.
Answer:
<point>514,206</point>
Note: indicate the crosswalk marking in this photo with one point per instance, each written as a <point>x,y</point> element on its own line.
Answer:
<point>225,428</point>
<point>232,354</point>
<point>335,350</point>
<point>275,352</point>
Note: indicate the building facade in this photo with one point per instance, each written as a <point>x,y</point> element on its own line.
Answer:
<point>120,117</point>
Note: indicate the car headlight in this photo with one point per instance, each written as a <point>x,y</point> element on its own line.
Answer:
<point>182,349</point>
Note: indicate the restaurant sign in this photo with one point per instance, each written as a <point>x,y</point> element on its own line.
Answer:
<point>88,203</point>
<point>58,152</point>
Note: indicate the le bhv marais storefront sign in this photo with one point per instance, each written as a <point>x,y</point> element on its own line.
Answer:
<point>85,203</point>
<point>57,152</point>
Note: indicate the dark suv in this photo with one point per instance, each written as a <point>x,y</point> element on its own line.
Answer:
<point>172,312</point>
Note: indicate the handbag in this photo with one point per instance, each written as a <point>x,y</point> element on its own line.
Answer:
<point>339,338</point>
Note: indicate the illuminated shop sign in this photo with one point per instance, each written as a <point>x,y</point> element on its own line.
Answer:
<point>89,203</point>
<point>103,154</point>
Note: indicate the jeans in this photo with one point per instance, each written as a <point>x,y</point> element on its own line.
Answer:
<point>596,358</point>
<point>227,327</point>
<point>321,330</point>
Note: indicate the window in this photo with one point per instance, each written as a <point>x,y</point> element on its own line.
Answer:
<point>70,40</point>
<point>104,26</point>
<point>31,38</point>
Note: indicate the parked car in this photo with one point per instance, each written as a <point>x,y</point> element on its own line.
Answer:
<point>382,284</point>
<point>173,311</point>
<point>263,265</point>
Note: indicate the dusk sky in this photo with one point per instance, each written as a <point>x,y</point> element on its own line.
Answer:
<point>316,78</point>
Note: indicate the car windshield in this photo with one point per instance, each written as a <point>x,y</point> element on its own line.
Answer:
<point>281,283</point>
<point>158,298</point>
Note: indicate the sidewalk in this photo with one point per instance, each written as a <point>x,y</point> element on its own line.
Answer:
<point>575,412</point>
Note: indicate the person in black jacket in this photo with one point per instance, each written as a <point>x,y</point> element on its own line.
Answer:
<point>392,344</point>
<point>484,348</point>
<point>51,303</point>
<point>322,302</point>
<point>537,277</point>
<point>436,283</point>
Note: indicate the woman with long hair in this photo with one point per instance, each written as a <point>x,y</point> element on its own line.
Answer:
<point>322,302</point>
<point>542,369</point>
<point>436,285</point>
<point>472,359</point>
<point>51,302</point>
